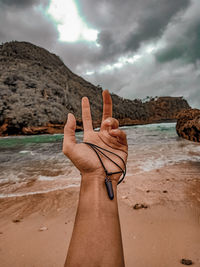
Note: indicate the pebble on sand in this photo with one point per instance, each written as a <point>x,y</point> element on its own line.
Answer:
<point>16,220</point>
<point>186,262</point>
<point>138,206</point>
<point>44,228</point>
<point>124,197</point>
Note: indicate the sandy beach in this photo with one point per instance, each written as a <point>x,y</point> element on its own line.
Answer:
<point>35,230</point>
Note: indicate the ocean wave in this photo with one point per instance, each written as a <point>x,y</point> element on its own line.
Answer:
<point>4,181</point>
<point>38,192</point>
<point>150,147</point>
<point>152,164</point>
<point>47,178</point>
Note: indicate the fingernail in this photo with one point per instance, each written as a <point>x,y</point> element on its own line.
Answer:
<point>69,115</point>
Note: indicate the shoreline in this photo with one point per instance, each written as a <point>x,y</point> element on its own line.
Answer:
<point>157,236</point>
<point>58,129</point>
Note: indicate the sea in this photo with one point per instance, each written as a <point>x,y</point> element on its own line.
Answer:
<point>35,164</point>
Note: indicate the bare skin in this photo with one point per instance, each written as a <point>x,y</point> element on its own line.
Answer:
<point>96,239</point>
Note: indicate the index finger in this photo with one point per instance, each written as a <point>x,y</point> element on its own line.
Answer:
<point>86,115</point>
<point>107,105</point>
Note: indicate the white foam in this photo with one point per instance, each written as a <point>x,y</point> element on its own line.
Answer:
<point>12,179</point>
<point>26,152</point>
<point>47,178</point>
<point>152,164</point>
<point>4,180</point>
<point>38,192</point>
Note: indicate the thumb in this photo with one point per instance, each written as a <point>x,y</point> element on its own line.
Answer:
<point>69,133</point>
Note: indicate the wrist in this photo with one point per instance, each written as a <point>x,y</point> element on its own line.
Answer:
<point>96,181</point>
<point>91,176</point>
<point>94,198</point>
<point>98,177</point>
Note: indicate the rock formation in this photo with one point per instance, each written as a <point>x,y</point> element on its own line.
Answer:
<point>188,124</point>
<point>37,91</point>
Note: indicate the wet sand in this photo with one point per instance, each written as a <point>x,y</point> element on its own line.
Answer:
<point>157,236</point>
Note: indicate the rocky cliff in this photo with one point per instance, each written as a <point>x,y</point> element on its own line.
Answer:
<point>37,91</point>
<point>188,124</point>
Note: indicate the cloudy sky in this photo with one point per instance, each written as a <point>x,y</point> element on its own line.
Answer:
<point>135,48</point>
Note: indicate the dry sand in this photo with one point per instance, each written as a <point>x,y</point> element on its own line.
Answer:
<point>157,236</point>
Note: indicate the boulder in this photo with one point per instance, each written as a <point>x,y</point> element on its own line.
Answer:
<point>188,124</point>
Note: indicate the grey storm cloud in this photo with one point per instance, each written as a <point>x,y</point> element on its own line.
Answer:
<point>124,25</point>
<point>25,23</point>
<point>153,22</point>
<point>19,3</point>
<point>149,78</point>
<point>182,38</point>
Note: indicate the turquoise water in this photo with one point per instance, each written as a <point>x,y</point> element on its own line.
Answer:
<point>31,164</point>
<point>9,142</point>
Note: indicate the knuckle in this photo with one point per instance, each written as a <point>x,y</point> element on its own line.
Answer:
<point>115,122</point>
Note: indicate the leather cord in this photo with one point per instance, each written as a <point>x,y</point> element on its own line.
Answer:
<point>98,151</point>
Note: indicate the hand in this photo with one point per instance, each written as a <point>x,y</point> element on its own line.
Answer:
<point>109,137</point>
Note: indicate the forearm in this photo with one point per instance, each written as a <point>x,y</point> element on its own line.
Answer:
<point>96,239</point>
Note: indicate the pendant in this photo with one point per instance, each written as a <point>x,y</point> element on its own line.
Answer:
<point>109,188</point>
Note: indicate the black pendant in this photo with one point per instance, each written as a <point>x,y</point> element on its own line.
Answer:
<point>109,188</point>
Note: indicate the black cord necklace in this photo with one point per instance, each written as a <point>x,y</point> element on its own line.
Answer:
<point>108,182</point>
